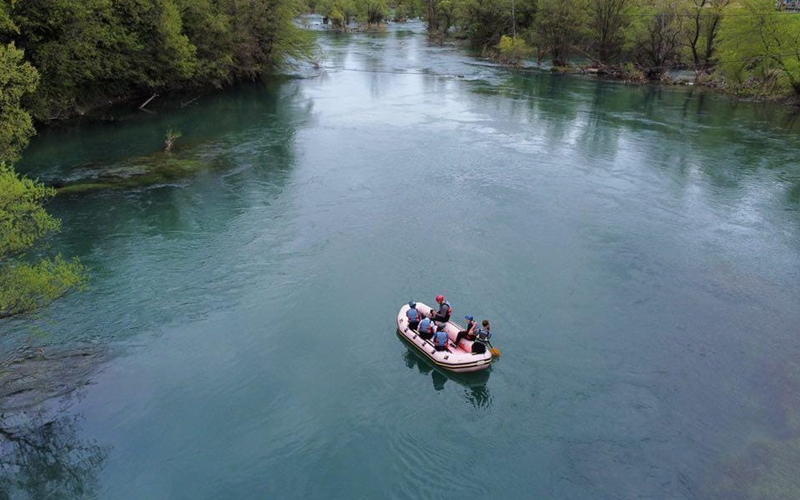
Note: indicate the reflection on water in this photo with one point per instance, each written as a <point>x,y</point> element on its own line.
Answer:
<point>42,457</point>
<point>475,384</point>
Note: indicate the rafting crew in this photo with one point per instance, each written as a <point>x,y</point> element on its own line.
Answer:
<point>433,327</point>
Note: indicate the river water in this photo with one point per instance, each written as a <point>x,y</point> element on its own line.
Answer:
<point>636,248</point>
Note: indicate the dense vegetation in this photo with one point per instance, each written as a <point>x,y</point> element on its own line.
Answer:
<point>90,51</point>
<point>747,46</point>
<point>58,57</point>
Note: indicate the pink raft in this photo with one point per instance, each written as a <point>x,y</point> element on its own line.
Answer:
<point>459,358</point>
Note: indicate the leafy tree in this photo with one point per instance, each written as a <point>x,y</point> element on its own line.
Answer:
<point>25,285</point>
<point>760,48</point>
<point>17,78</point>
<point>704,25</point>
<point>608,27</point>
<point>208,28</point>
<point>484,22</point>
<point>371,12</point>
<point>558,28</point>
<point>406,9</point>
<point>659,36</point>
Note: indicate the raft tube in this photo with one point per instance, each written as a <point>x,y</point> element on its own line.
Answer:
<point>458,359</point>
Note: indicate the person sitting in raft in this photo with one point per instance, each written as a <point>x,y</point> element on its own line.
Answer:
<point>413,315</point>
<point>485,331</point>
<point>444,312</point>
<point>469,333</point>
<point>426,328</point>
<point>440,338</point>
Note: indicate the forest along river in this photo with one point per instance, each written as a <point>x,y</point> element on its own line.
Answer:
<point>636,248</point>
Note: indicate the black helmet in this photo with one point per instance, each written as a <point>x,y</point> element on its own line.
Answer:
<point>412,304</point>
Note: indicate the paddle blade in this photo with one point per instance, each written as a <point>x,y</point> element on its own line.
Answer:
<point>495,352</point>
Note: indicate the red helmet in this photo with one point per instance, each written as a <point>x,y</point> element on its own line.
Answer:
<point>440,298</point>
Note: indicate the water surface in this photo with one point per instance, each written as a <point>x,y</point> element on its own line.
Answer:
<point>636,248</point>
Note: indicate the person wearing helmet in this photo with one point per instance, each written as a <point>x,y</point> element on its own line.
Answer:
<point>469,333</point>
<point>413,315</point>
<point>444,312</point>
<point>426,328</point>
<point>440,338</point>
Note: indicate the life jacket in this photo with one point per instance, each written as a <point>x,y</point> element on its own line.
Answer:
<point>429,324</point>
<point>440,338</point>
<point>449,310</point>
<point>413,315</point>
<point>484,334</point>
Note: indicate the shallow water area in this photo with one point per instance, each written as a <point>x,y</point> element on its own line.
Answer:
<point>636,248</point>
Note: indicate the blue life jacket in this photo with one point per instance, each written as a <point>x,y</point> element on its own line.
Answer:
<point>440,338</point>
<point>413,315</point>
<point>484,334</point>
<point>425,325</point>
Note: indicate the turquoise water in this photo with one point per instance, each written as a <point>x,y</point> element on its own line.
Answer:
<point>636,248</point>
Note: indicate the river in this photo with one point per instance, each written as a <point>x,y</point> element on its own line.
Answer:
<point>637,249</point>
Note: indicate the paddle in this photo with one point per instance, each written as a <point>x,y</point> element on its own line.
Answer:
<point>495,352</point>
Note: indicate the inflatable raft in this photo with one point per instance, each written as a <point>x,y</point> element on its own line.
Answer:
<point>459,359</point>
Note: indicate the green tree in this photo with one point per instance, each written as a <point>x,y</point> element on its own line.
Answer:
<point>659,36</point>
<point>371,12</point>
<point>558,28</point>
<point>208,28</point>
<point>26,285</point>
<point>17,78</point>
<point>484,22</point>
<point>705,20</point>
<point>608,27</point>
<point>760,49</point>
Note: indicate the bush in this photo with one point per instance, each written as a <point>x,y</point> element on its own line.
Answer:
<point>513,50</point>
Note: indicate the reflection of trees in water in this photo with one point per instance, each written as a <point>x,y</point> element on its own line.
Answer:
<point>41,455</point>
<point>476,393</point>
<point>43,458</point>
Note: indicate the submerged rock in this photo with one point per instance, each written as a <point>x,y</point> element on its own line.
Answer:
<point>29,377</point>
<point>155,170</point>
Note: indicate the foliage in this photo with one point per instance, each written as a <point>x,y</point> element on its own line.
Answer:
<point>406,9</point>
<point>23,222</point>
<point>17,78</point>
<point>558,28</point>
<point>340,12</point>
<point>484,22</point>
<point>89,51</point>
<point>760,49</point>
<point>513,50</point>
<point>705,20</point>
<point>659,36</point>
<point>608,24</point>
<point>371,12</point>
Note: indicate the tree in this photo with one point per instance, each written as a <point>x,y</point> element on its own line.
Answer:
<point>24,284</point>
<point>558,28</point>
<point>608,24</point>
<point>371,12</point>
<point>704,25</point>
<point>760,49</point>
<point>17,78</point>
<point>659,37</point>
